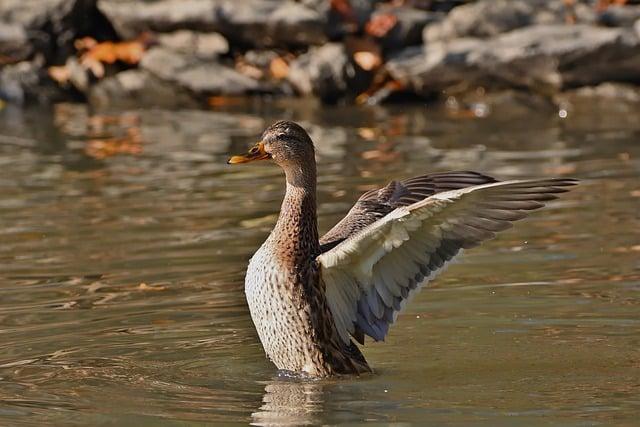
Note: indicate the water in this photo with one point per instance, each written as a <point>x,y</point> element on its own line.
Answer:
<point>125,237</point>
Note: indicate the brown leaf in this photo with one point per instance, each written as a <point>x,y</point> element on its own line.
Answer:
<point>60,74</point>
<point>380,25</point>
<point>344,9</point>
<point>279,68</point>
<point>368,61</point>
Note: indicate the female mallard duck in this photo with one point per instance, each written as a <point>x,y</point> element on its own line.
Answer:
<point>309,297</point>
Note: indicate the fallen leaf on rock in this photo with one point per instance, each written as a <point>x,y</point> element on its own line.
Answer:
<point>59,73</point>
<point>279,68</point>
<point>602,5</point>
<point>380,25</point>
<point>344,9</point>
<point>367,133</point>
<point>368,61</point>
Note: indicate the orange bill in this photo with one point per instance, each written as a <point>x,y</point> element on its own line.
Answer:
<point>255,153</point>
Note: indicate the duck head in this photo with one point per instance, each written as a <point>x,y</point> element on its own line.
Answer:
<point>286,143</point>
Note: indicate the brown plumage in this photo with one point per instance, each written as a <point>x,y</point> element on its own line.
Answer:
<point>309,297</point>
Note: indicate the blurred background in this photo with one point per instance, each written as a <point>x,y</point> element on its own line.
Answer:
<point>124,236</point>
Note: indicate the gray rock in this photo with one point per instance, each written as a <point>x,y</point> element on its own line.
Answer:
<point>545,58</point>
<point>437,66</point>
<point>605,92</point>
<point>620,16</point>
<point>252,22</point>
<point>14,43</point>
<point>137,88</point>
<point>487,18</point>
<point>323,72</point>
<point>408,29</point>
<point>200,45</point>
<point>200,77</point>
<point>20,82</point>
<point>51,25</point>
<point>559,56</point>
<point>34,14</point>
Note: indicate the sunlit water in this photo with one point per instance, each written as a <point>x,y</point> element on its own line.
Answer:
<point>124,239</point>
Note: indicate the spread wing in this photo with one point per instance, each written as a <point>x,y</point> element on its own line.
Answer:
<point>370,275</point>
<point>375,204</point>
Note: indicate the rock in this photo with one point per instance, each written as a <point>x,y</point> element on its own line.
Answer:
<point>249,22</point>
<point>620,16</point>
<point>487,18</point>
<point>14,44</point>
<point>437,66</point>
<point>607,92</point>
<point>203,78</point>
<point>408,29</point>
<point>51,24</point>
<point>559,56</point>
<point>544,58</point>
<point>200,45</point>
<point>323,72</point>
<point>138,88</point>
<point>25,82</point>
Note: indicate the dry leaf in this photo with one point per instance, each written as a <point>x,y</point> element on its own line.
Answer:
<point>279,68</point>
<point>380,25</point>
<point>60,74</point>
<point>368,61</point>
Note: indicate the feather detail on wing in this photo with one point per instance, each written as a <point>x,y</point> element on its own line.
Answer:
<point>370,275</point>
<point>375,204</point>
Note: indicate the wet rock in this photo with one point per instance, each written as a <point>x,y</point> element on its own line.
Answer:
<point>408,29</point>
<point>605,92</point>
<point>25,82</point>
<point>200,45</point>
<point>200,77</point>
<point>249,22</point>
<point>14,44</point>
<point>323,72</point>
<point>487,18</point>
<point>544,58</point>
<point>620,16</point>
<point>436,66</point>
<point>138,88</point>
<point>557,56</point>
<point>52,25</point>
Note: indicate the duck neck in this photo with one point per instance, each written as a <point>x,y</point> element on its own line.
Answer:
<point>296,232</point>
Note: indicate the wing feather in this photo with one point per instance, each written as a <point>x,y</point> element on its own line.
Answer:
<point>372,273</point>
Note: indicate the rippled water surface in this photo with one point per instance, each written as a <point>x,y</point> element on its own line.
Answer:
<point>124,239</point>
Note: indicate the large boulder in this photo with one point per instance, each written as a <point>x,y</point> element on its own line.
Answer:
<point>26,82</point>
<point>138,88</point>
<point>620,16</point>
<point>51,25</point>
<point>408,27</point>
<point>14,44</point>
<point>249,22</point>
<point>488,18</point>
<point>323,72</point>
<point>545,58</point>
<point>202,78</point>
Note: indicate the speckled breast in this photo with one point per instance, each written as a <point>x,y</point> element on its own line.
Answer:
<point>281,317</point>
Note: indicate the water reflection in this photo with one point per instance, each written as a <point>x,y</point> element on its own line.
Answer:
<point>290,402</point>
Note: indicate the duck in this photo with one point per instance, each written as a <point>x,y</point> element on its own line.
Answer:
<point>314,300</point>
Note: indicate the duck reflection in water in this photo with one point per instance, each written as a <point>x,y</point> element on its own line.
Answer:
<point>290,401</point>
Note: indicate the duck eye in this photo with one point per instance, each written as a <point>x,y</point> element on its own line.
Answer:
<point>254,150</point>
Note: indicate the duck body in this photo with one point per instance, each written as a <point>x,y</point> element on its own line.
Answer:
<point>286,297</point>
<point>311,297</point>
